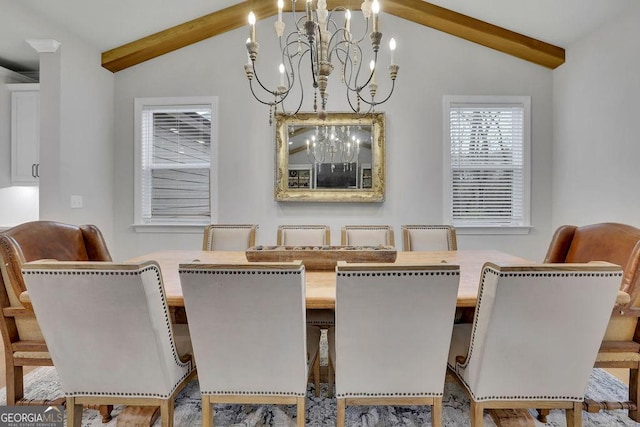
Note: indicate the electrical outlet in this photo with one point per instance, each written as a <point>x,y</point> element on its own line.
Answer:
<point>76,202</point>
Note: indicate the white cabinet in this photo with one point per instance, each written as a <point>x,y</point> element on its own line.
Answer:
<point>25,134</point>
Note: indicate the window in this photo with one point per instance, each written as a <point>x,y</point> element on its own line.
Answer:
<point>486,167</point>
<point>175,157</point>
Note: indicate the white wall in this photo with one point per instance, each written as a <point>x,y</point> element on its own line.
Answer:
<point>76,113</point>
<point>596,140</point>
<point>432,64</point>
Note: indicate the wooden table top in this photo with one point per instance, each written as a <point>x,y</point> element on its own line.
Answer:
<point>321,285</point>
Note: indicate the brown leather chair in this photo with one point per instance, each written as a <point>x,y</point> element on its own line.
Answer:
<point>618,244</point>
<point>23,341</point>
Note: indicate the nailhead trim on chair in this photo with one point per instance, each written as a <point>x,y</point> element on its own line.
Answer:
<point>487,271</point>
<point>226,226</point>
<point>516,274</point>
<point>150,395</point>
<point>398,273</point>
<point>167,319</point>
<point>240,272</point>
<point>603,274</point>
<point>436,227</point>
<point>254,393</point>
<point>246,272</point>
<point>369,394</point>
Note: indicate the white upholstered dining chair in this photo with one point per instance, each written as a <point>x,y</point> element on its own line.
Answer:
<point>367,235</point>
<point>249,334</point>
<point>534,337</point>
<point>23,341</point>
<point>303,235</point>
<point>309,235</point>
<point>429,238</point>
<point>108,331</point>
<point>410,308</point>
<point>229,237</point>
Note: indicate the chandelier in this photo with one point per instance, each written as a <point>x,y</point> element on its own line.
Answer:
<point>333,144</point>
<point>316,41</point>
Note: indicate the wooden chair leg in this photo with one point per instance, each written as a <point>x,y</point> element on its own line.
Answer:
<point>166,412</point>
<point>542,415</point>
<point>15,384</point>
<point>476,414</point>
<point>574,415</point>
<point>342,412</point>
<point>105,411</point>
<point>316,375</point>
<point>74,413</point>
<point>634,393</point>
<point>330,377</point>
<point>302,414</point>
<point>436,412</point>
<point>207,412</point>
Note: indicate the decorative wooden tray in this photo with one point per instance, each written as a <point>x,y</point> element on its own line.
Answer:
<point>321,257</point>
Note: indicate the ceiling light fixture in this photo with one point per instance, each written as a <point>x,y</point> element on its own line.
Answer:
<point>317,39</point>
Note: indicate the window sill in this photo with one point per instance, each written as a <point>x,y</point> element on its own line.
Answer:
<point>170,228</point>
<point>493,230</point>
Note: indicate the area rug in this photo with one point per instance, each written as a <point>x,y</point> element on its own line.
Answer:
<point>43,383</point>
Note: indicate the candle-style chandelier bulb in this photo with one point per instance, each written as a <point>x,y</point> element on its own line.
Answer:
<point>321,41</point>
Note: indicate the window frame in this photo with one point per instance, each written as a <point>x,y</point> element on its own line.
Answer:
<point>456,100</point>
<point>178,225</point>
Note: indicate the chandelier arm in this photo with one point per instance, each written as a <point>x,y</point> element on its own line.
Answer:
<point>286,53</point>
<point>350,104</point>
<point>313,69</point>
<point>260,100</point>
<point>300,79</point>
<point>374,103</point>
<point>300,29</point>
<point>344,9</point>
<point>347,59</point>
<point>272,92</point>
<point>337,43</point>
<point>299,39</point>
<point>354,109</point>
<point>359,88</point>
<point>301,86</point>
<point>353,79</point>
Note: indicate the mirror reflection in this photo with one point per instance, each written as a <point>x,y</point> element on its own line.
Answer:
<point>340,158</point>
<point>329,156</point>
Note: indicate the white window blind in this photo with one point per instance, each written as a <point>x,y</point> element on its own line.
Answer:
<point>175,168</point>
<point>488,173</point>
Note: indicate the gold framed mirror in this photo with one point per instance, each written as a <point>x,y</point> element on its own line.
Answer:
<point>338,159</point>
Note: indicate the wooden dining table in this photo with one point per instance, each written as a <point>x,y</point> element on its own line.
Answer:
<point>321,285</point>
<point>320,293</point>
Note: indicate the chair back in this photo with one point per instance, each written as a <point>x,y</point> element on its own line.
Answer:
<point>393,328</point>
<point>34,241</point>
<point>304,235</point>
<point>247,325</point>
<point>368,235</point>
<point>229,237</point>
<point>615,243</point>
<point>537,330</point>
<point>429,238</point>
<point>107,327</point>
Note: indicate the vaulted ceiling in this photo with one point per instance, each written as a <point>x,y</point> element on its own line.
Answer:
<point>418,11</point>
<point>128,32</point>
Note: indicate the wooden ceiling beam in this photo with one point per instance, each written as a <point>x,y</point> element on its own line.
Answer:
<point>417,11</point>
<point>477,31</point>
<point>185,34</point>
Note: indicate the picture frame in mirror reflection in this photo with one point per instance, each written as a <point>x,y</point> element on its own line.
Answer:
<point>337,159</point>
